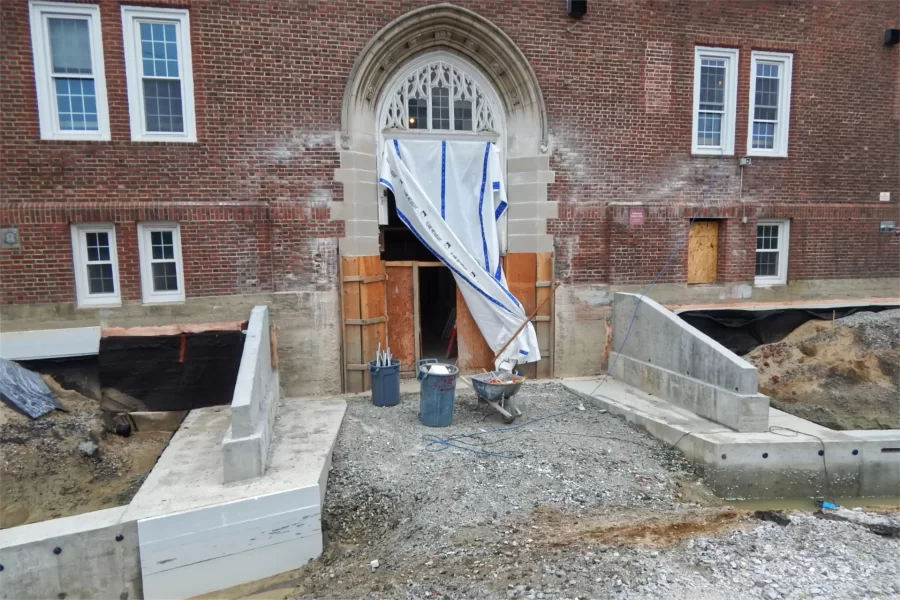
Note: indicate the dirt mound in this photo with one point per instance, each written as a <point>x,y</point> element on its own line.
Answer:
<point>843,374</point>
<point>68,463</point>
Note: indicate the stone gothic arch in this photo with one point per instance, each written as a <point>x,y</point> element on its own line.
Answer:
<point>465,33</point>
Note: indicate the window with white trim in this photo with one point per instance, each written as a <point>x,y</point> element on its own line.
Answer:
<point>67,47</point>
<point>159,75</point>
<point>162,274</point>
<point>715,100</point>
<point>770,102</point>
<point>772,239</point>
<point>96,264</point>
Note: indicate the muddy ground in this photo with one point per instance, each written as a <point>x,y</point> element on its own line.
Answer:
<point>576,505</point>
<point>843,374</point>
<point>68,463</point>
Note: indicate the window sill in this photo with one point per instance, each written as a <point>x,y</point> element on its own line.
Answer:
<point>767,155</point>
<point>75,138</point>
<point>696,154</point>
<point>165,140</point>
<point>151,301</point>
<point>769,284</point>
<point>91,306</point>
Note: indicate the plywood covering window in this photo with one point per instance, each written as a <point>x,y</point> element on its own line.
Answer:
<point>703,250</point>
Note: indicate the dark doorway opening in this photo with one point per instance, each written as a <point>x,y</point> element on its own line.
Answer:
<point>437,306</point>
<point>397,241</point>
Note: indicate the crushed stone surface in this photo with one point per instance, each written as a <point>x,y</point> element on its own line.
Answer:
<point>592,509</point>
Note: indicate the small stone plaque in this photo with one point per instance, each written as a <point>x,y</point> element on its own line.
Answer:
<point>9,238</point>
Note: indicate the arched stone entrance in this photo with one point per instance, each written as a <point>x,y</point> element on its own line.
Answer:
<point>499,60</point>
<point>457,32</point>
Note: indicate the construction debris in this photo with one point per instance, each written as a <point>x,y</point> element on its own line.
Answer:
<point>25,391</point>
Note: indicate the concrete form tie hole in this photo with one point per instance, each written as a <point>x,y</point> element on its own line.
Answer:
<point>821,453</point>
<point>120,537</point>
<point>724,456</point>
<point>765,455</point>
<point>57,550</point>
<point>855,452</point>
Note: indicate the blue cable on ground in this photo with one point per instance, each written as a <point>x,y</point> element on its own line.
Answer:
<point>438,444</point>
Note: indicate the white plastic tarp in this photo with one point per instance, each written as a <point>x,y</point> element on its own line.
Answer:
<point>451,194</point>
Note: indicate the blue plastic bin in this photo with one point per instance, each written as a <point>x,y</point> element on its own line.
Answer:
<point>385,384</point>
<point>437,394</point>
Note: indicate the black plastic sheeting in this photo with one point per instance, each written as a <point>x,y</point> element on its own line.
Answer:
<point>25,391</point>
<point>178,372</point>
<point>742,330</point>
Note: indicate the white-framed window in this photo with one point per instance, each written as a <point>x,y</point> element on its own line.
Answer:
<point>96,264</point>
<point>770,103</point>
<point>67,47</point>
<point>772,240</point>
<point>715,100</point>
<point>159,75</point>
<point>162,273</point>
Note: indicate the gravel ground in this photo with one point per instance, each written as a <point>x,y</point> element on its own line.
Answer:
<point>591,509</point>
<point>876,330</point>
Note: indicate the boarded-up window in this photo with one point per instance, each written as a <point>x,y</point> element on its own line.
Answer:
<point>703,249</point>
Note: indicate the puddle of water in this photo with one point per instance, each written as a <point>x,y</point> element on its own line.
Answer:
<point>810,503</point>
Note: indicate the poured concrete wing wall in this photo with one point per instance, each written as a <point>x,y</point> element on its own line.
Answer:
<point>256,395</point>
<point>659,353</point>
<point>94,555</point>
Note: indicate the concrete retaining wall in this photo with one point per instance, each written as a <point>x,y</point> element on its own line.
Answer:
<point>97,558</point>
<point>256,395</point>
<point>663,355</point>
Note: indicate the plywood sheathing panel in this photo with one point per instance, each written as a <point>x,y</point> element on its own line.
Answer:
<point>544,328</point>
<point>401,329</point>
<point>521,275</point>
<point>474,353</point>
<point>372,306</point>
<point>703,250</point>
<point>352,333</point>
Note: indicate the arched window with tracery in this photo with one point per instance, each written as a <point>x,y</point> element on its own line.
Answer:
<point>441,96</point>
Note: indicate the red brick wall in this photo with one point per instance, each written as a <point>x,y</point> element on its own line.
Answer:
<point>269,79</point>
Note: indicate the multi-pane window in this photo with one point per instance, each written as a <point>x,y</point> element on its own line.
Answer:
<point>162,279</point>
<point>770,90</point>
<point>158,69</point>
<point>440,108</point>
<point>418,113</point>
<point>715,94</point>
<point>462,115</point>
<point>68,67</point>
<point>771,252</point>
<point>95,262</point>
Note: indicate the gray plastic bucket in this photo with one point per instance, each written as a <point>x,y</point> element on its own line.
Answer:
<point>385,384</point>
<point>437,394</point>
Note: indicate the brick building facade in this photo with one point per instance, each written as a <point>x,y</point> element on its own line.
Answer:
<point>255,195</point>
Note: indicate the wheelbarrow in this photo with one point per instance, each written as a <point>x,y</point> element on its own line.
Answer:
<point>497,388</point>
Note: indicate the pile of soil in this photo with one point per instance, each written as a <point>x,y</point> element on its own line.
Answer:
<point>842,374</point>
<point>68,463</point>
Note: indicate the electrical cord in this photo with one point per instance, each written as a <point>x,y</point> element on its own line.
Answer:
<point>436,443</point>
<point>772,429</point>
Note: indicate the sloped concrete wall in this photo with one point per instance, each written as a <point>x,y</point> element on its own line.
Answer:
<point>659,353</point>
<point>256,395</point>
